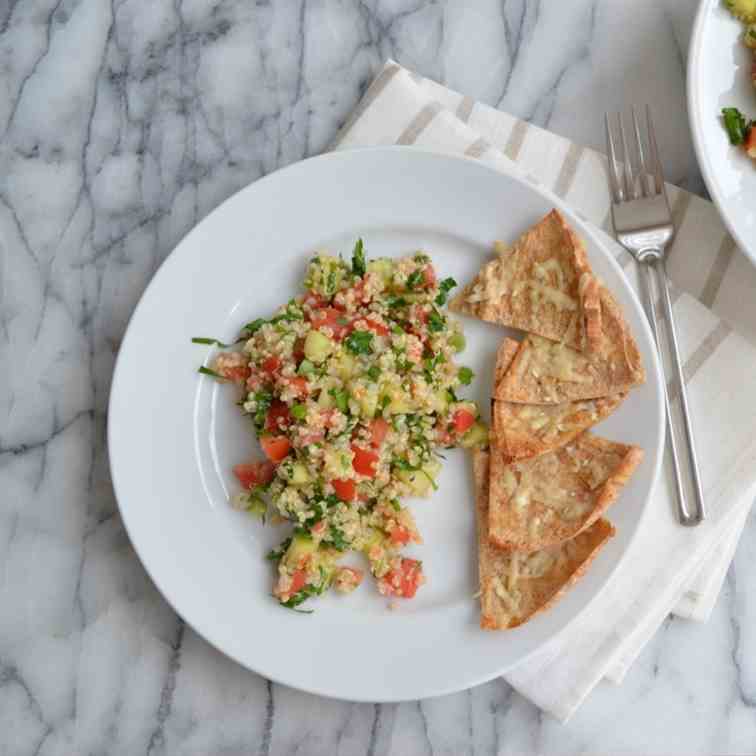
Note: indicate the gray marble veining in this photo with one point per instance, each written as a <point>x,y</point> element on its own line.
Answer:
<point>122,125</point>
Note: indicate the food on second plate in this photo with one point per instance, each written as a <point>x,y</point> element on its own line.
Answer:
<point>515,586</point>
<point>527,430</point>
<point>542,284</point>
<point>351,388</point>
<point>546,500</point>
<point>547,372</point>
<point>742,130</point>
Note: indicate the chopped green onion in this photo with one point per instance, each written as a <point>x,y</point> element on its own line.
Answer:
<point>358,259</point>
<point>211,373</point>
<point>254,326</point>
<point>735,124</point>
<point>465,376</point>
<point>299,411</point>
<point>443,290</point>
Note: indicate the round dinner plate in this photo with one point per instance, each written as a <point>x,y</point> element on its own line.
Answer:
<point>719,68</point>
<point>174,435</point>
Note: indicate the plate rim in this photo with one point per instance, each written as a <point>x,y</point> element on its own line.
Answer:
<point>585,231</point>
<point>695,119</point>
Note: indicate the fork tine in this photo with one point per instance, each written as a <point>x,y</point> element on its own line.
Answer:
<point>656,168</point>
<point>643,169</point>
<point>627,174</point>
<point>611,153</point>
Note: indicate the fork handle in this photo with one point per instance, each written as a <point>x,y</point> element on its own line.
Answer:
<point>688,515</point>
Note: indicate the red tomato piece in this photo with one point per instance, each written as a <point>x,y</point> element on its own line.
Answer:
<point>237,374</point>
<point>750,140</point>
<point>462,420</point>
<point>378,430</point>
<point>278,416</point>
<point>275,447</point>
<point>333,319</point>
<point>404,580</point>
<point>400,535</point>
<point>429,276</point>
<point>271,364</point>
<point>364,461</point>
<point>298,384</point>
<point>253,474</point>
<point>345,489</point>
<point>315,301</point>
<point>377,328</point>
<point>298,581</point>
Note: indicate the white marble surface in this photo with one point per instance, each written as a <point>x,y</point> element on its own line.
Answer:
<point>123,124</point>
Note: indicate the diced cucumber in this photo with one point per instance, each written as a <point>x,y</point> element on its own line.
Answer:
<point>344,366</point>
<point>305,368</point>
<point>383,267</point>
<point>457,341</point>
<point>301,546</point>
<point>476,436</point>
<point>325,400</point>
<point>440,401</point>
<point>317,346</point>
<point>399,402</point>
<point>298,475</point>
<point>373,538</point>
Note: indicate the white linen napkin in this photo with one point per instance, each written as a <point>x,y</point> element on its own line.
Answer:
<point>670,568</point>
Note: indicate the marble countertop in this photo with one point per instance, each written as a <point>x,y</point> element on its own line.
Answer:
<point>123,124</point>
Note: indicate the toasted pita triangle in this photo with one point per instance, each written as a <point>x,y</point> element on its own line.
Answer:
<point>546,500</point>
<point>527,430</point>
<point>542,284</point>
<point>545,372</point>
<point>514,587</point>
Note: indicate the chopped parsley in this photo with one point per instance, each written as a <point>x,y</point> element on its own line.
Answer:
<point>374,373</point>
<point>414,279</point>
<point>359,342</point>
<point>341,397</point>
<point>299,411</point>
<point>736,126</point>
<point>436,321</point>
<point>443,290</point>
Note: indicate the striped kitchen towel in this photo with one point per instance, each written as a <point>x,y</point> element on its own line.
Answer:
<point>669,568</point>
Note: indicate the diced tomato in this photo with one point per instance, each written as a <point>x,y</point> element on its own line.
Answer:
<point>298,385</point>
<point>750,142</point>
<point>429,276</point>
<point>237,374</point>
<point>314,437</point>
<point>462,420</point>
<point>271,364</point>
<point>278,416</point>
<point>253,474</point>
<point>298,581</point>
<point>297,351</point>
<point>378,430</point>
<point>364,461</point>
<point>400,535</point>
<point>345,489</point>
<point>404,580</point>
<point>377,328</point>
<point>275,447</point>
<point>333,319</point>
<point>314,300</point>
<point>360,294</point>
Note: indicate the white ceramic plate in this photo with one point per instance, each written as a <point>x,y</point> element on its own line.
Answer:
<point>174,435</point>
<point>719,76</point>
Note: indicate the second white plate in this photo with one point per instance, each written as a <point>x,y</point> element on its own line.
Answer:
<point>174,435</point>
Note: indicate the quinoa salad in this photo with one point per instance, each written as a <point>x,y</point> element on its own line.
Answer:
<point>353,392</point>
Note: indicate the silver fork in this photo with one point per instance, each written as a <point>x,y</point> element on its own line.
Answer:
<point>643,225</point>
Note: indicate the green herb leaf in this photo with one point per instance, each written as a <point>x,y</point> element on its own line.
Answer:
<point>414,279</point>
<point>360,342</point>
<point>443,290</point>
<point>465,376</point>
<point>336,537</point>
<point>394,301</point>
<point>275,555</point>
<point>299,411</point>
<point>735,124</point>
<point>254,326</point>
<point>374,373</point>
<point>341,397</point>
<point>358,259</point>
<point>263,400</point>
<point>211,342</point>
<point>396,505</point>
<point>211,373</point>
<point>436,321</point>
